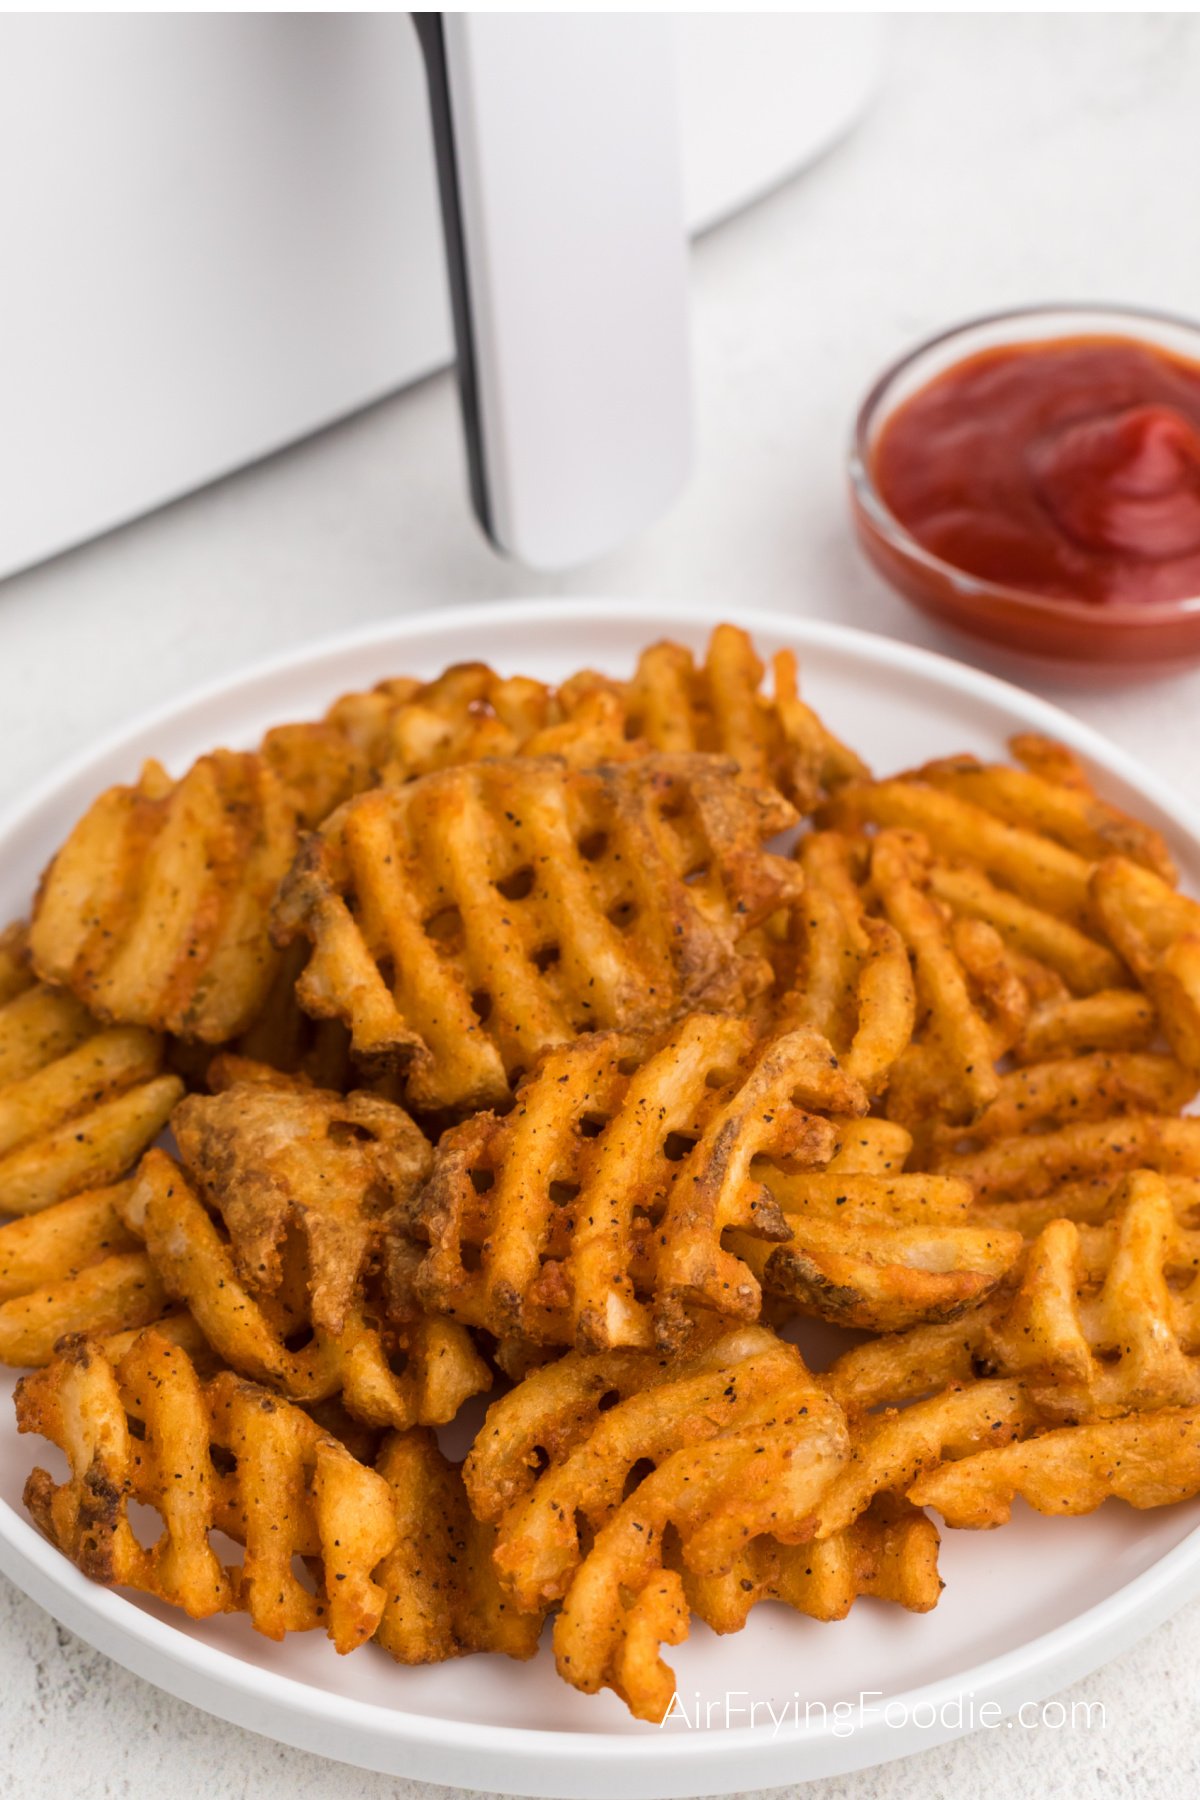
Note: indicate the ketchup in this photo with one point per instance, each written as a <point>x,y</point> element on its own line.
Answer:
<point>1069,468</point>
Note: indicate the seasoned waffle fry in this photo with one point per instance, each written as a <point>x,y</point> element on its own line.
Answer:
<point>890,1553</point>
<point>471,920</point>
<point>593,1212</point>
<point>1027,1167</point>
<point>1145,1459</point>
<point>1157,931</point>
<point>1091,1201</point>
<point>762,1476</point>
<point>15,973</point>
<point>291,1490</point>
<point>77,1104</point>
<point>73,1267</point>
<point>1051,796</point>
<point>443,1595</point>
<point>154,912</point>
<point>1109,1019</point>
<point>660,1406</point>
<point>1101,1085</point>
<point>418,1372</point>
<point>891,1449</point>
<point>854,984</point>
<point>1106,1319</point>
<point>911,1365</point>
<point>283,1158</point>
<point>950,1069</point>
<point>1035,868</point>
<point>318,765</point>
<point>1085,965</point>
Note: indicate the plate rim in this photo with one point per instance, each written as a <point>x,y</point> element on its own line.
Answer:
<point>526,1759</point>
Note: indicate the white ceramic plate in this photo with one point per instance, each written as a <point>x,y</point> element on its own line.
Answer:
<point>1026,1610</point>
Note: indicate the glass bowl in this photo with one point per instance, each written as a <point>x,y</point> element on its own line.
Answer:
<point>1104,637</point>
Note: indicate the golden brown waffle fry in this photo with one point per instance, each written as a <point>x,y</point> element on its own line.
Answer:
<point>1035,868</point>
<point>890,1449</point>
<point>1109,1019</point>
<point>282,1157</point>
<point>948,1071</point>
<point>1029,1166</point>
<point>77,1104</point>
<point>889,1553</point>
<point>154,912</point>
<point>471,920</point>
<point>73,1267</point>
<point>1090,1201</point>
<point>1051,796</point>
<point>15,973</point>
<point>1101,1085</point>
<point>1106,1318</point>
<point>1157,931</point>
<point>760,1477</point>
<point>914,1364</point>
<point>593,1212</point>
<point>1080,961</point>
<point>853,983</point>
<point>318,765</point>
<point>444,1598</point>
<point>1145,1459</point>
<point>590,1434</point>
<point>151,1431</point>
<point>418,1371</point>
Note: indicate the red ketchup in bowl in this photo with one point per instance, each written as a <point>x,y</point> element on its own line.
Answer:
<point>1067,468</point>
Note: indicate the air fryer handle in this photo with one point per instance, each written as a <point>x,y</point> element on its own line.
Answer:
<point>558,162</point>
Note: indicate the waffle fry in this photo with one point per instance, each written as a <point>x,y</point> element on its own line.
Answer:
<point>593,1213</point>
<point>1157,931</point>
<point>1029,1166</point>
<point>1106,1318</point>
<point>1085,965</point>
<point>280,1157</point>
<point>444,1598</point>
<point>1109,1019</point>
<point>759,1477</point>
<point>154,912</point>
<point>290,1491</point>
<point>1102,1085</point>
<point>891,1449</point>
<point>471,920</point>
<point>853,983</point>
<point>15,973</point>
<point>416,1372</point>
<point>319,767</point>
<point>73,1267</point>
<point>889,1553</point>
<point>1052,796</point>
<point>77,1104</point>
<point>1145,1459</point>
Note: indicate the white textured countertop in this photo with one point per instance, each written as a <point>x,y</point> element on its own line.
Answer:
<point>1008,160</point>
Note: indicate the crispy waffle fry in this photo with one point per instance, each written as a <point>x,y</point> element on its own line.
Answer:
<point>444,1598</point>
<point>1051,795</point>
<point>593,1212</point>
<point>1084,965</point>
<point>1106,1319</point>
<point>949,1070</point>
<point>890,1553</point>
<point>1102,1085</point>
<point>891,1449</point>
<point>73,1267</point>
<point>1029,1166</point>
<point>280,1157</point>
<point>1035,868</point>
<point>1157,931</point>
<point>911,1365</point>
<point>318,765</point>
<point>416,1372</point>
<point>469,921</point>
<point>760,1477</point>
<point>1145,1459</point>
<point>1109,1019</point>
<point>594,1433</point>
<point>154,912</point>
<point>15,973</point>
<point>853,984</point>
<point>77,1104</point>
<point>151,1431</point>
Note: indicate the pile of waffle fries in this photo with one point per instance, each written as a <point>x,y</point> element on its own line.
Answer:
<point>536,1058</point>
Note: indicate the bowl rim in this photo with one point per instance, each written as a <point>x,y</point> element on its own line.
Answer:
<point>878,517</point>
